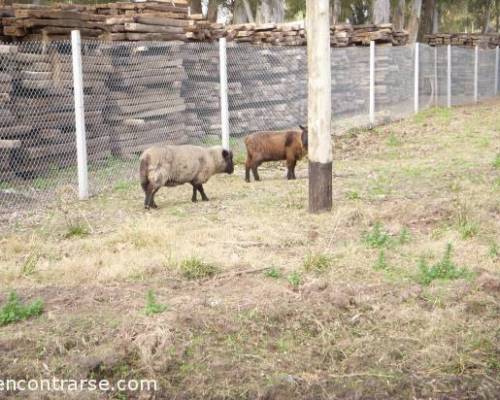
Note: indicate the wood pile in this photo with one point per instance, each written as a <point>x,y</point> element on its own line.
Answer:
<point>145,106</point>
<point>113,21</point>
<point>484,41</point>
<point>38,112</point>
<point>293,34</point>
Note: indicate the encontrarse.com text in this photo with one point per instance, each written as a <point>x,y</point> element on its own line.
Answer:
<point>74,385</point>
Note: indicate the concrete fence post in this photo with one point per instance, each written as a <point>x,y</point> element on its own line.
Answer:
<point>224,103</point>
<point>497,64</point>
<point>372,83</point>
<point>416,83</point>
<point>448,73</point>
<point>81,142</point>
<point>436,83</point>
<point>476,74</point>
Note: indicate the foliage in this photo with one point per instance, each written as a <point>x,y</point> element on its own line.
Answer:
<point>272,272</point>
<point>152,306</point>
<point>195,268</point>
<point>377,237</point>
<point>445,269</point>
<point>14,310</point>
<point>295,279</point>
<point>317,262</point>
<point>381,263</point>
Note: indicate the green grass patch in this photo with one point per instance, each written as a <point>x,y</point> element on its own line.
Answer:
<point>14,310</point>
<point>393,140</point>
<point>29,266</point>
<point>352,195</point>
<point>445,269</point>
<point>273,272</point>
<point>196,268</point>
<point>377,237</point>
<point>294,279</point>
<point>496,162</point>
<point>317,262</point>
<point>381,263</point>
<point>152,306</point>
<point>76,230</point>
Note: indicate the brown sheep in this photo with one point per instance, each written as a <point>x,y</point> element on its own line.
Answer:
<point>176,165</point>
<point>275,146</point>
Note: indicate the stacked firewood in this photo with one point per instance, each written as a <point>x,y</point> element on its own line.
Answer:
<point>113,21</point>
<point>145,105</point>
<point>293,34</point>
<point>37,112</point>
<point>485,41</point>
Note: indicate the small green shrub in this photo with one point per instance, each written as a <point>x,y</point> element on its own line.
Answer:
<point>318,262</point>
<point>404,236</point>
<point>381,263</point>
<point>76,230</point>
<point>466,227</point>
<point>393,140</point>
<point>29,265</point>
<point>377,237</point>
<point>272,272</point>
<point>152,306</point>
<point>496,162</point>
<point>493,250</point>
<point>14,310</point>
<point>195,268</point>
<point>445,269</point>
<point>294,279</point>
<point>352,195</point>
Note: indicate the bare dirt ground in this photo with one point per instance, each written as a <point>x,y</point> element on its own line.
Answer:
<point>259,299</point>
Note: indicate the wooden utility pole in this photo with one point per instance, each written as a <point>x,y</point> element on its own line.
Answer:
<point>319,106</point>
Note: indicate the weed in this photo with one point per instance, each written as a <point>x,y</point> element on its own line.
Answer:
<point>29,265</point>
<point>76,230</point>
<point>466,227</point>
<point>352,195</point>
<point>496,162</point>
<point>14,310</point>
<point>294,279</point>
<point>317,262</point>
<point>377,237</point>
<point>393,140</point>
<point>445,269</point>
<point>152,306</point>
<point>381,263</point>
<point>272,272</point>
<point>404,236</point>
<point>493,250</point>
<point>195,268</point>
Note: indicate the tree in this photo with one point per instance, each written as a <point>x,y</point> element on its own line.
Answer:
<point>335,11</point>
<point>399,15</point>
<point>212,10</point>
<point>195,6</point>
<point>414,21</point>
<point>270,11</point>
<point>426,22</point>
<point>381,11</point>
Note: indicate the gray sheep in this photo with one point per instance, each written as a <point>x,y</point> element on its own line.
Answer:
<point>176,165</point>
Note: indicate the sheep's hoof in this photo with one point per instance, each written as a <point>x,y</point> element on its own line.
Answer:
<point>146,207</point>
<point>154,206</point>
<point>194,200</point>
<point>205,199</point>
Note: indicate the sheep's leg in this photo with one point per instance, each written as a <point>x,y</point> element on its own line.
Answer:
<point>202,192</point>
<point>248,165</point>
<point>152,201</point>
<point>255,172</point>
<point>194,197</point>
<point>291,169</point>
<point>148,201</point>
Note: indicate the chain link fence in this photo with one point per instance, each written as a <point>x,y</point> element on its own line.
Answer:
<point>141,94</point>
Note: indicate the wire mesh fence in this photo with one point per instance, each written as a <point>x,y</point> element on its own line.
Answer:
<point>141,94</point>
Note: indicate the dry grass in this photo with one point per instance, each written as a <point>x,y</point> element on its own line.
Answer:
<point>338,321</point>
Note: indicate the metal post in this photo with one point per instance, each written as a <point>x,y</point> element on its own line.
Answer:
<point>372,83</point>
<point>81,142</point>
<point>436,83</point>
<point>476,74</point>
<point>224,104</point>
<point>448,102</point>
<point>416,85</point>
<point>497,63</point>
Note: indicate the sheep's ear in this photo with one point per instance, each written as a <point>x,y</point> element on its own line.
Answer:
<point>225,153</point>
<point>302,127</point>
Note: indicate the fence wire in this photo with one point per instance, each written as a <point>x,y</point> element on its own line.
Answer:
<point>141,94</point>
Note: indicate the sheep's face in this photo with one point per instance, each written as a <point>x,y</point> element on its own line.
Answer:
<point>304,136</point>
<point>227,155</point>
